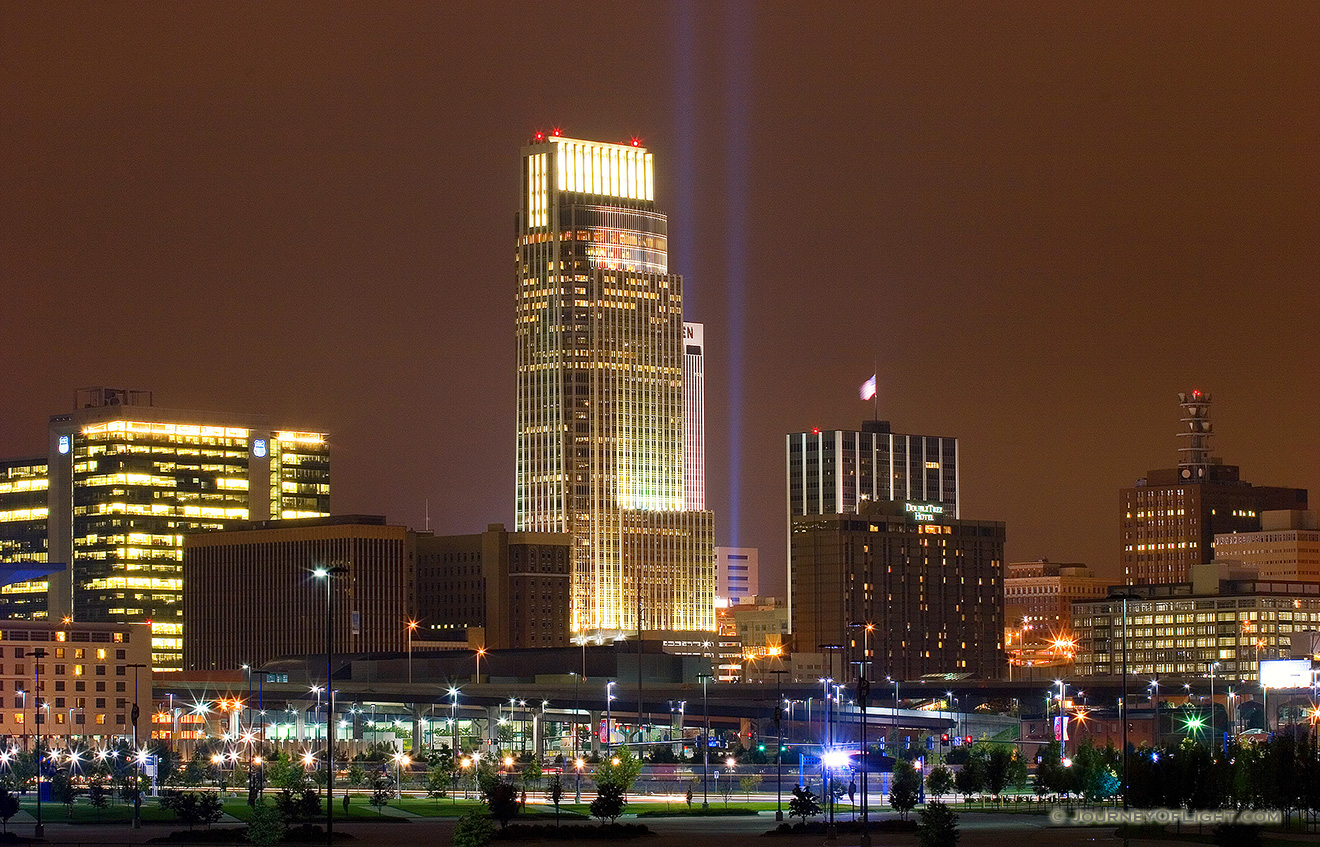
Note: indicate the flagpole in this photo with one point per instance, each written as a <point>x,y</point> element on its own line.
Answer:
<point>876,376</point>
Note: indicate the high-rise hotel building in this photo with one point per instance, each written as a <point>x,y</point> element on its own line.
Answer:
<point>600,396</point>
<point>838,472</point>
<point>124,481</point>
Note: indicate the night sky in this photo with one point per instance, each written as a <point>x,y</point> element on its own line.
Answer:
<point>1042,220</point>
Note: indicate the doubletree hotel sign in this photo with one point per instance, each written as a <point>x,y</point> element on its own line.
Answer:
<point>923,511</point>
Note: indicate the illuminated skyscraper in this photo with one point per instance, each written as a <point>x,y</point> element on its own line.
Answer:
<point>126,480</point>
<point>694,415</point>
<point>600,359</point>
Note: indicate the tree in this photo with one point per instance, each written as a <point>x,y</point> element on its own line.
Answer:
<point>725,788</point>
<point>98,796</point>
<point>621,769</point>
<point>939,781</point>
<point>8,807</point>
<point>905,788</point>
<point>939,826</point>
<point>556,794</point>
<point>804,804</point>
<point>380,791</point>
<point>533,772</point>
<point>209,808</point>
<point>998,768</point>
<point>970,778</point>
<point>437,782</point>
<point>748,783</point>
<point>356,774</point>
<point>502,800</point>
<point>609,802</point>
<point>63,789</point>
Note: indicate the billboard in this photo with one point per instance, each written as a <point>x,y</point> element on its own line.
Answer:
<point>1285,673</point>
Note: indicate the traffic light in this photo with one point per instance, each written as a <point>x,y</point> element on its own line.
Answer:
<point>967,740</point>
<point>944,739</point>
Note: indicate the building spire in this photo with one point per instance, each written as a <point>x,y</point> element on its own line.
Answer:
<point>1194,452</point>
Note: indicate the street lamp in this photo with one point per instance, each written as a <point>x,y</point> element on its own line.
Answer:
<point>328,574</point>
<point>400,759</point>
<point>481,651</point>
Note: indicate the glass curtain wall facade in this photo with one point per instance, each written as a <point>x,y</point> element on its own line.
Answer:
<point>600,357</point>
<point>23,510</point>
<point>123,483</point>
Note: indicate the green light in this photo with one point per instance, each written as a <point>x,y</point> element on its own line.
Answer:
<point>1194,723</point>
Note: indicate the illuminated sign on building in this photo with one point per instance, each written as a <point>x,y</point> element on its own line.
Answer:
<point>64,444</point>
<point>259,448</point>
<point>924,511</point>
<point>1285,673</point>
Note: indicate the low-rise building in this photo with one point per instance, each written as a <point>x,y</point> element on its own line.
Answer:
<point>73,683</point>
<point>1225,614</point>
<point>1287,546</point>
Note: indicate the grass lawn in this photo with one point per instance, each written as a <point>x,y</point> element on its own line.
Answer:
<point>86,813</point>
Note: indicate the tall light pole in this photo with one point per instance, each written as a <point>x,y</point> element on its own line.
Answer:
<point>329,574</point>
<point>1123,712</point>
<point>39,654</point>
<point>481,651</point>
<point>137,796</point>
<point>609,719</point>
<point>779,744</point>
<point>1213,742</point>
<point>1155,705</point>
<point>412,627</point>
<point>705,746</point>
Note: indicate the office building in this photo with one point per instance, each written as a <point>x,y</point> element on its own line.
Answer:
<point>737,575</point>
<point>496,589</point>
<point>126,481</point>
<point>1286,548</point>
<point>1038,597</point>
<point>600,389</point>
<point>694,416</point>
<point>1225,613</point>
<point>24,493</point>
<point>1169,519</point>
<point>89,676</point>
<point>837,472</point>
<point>250,593</point>
<point>932,584</point>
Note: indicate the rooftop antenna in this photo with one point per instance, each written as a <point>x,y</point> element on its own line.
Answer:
<point>427,519</point>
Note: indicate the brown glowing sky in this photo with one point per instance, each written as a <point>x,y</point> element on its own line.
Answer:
<point>1043,220</point>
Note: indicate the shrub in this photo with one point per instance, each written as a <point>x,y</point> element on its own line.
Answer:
<point>266,826</point>
<point>474,830</point>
